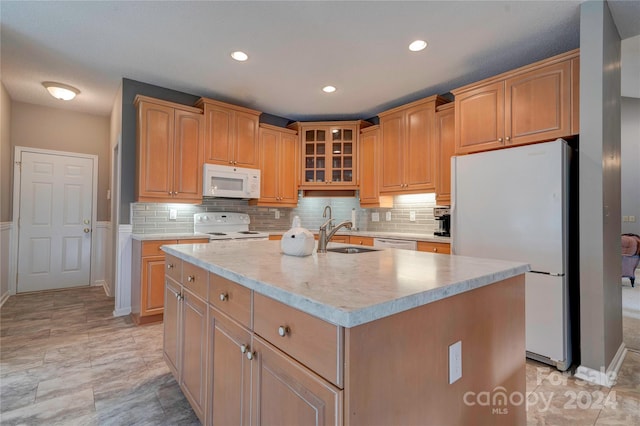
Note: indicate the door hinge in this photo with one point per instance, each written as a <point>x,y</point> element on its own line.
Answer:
<point>19,164</point>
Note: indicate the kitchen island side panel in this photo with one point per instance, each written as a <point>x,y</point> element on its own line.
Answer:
<point>397,368</point>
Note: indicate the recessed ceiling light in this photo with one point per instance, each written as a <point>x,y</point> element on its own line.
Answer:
<point>328,89</point>
<point>417,45</point>
<point>61,91</point>
<point>239,56</point>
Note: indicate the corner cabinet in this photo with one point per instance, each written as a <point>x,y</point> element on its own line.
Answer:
<point>530,104</point>
<point>230,135</point>
<point>369,156</point>
<point>329,154</point>
<point>169,152</point>
<point>408,147</point>
<point>278,161</point>
<point>445,148</point>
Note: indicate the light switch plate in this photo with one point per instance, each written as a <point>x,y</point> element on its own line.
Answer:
<point>412,216</point>
<point>277,214</point>
<point>173,214</point>
<point>375,217</point>
<point>455,362</point>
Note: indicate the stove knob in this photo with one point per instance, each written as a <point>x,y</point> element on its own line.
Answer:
<point>205,218</point>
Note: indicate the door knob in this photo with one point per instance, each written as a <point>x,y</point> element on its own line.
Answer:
<point>86,230</point>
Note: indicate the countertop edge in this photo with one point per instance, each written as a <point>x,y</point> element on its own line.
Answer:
<point>343,318</point>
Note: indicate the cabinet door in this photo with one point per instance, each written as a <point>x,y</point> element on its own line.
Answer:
<point>194,352</point>
<point>269,166</point>
<point>152,282</point>
<point>538,104</point>
<point>171,342</point>
<point>287,393</point>
<point>342,153</point>
<point>287,179</point>
<point>315,156</point>
<point>445,146</point>
<point>230,398</point>
<point>188,156</point>
<point>155,151</point>
<point>480,118</point>
<point>217,135</point>
<point>245,148</point>
<point>392,152</point>
<point>368,168</point>
<point>419,164</point>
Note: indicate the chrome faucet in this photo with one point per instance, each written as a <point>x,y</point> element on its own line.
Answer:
<point>324,214</point>
<point>324,237</point>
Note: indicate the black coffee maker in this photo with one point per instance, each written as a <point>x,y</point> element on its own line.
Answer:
<point>443,221</point>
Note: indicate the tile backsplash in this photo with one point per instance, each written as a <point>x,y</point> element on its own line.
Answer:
<point>152,218</point>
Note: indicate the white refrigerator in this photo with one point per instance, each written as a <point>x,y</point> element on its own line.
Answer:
<point>512,204</point>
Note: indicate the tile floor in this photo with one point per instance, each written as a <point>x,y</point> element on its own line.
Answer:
<point>65,360</point>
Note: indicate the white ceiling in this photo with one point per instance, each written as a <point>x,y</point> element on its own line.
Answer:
<point>295,48</point>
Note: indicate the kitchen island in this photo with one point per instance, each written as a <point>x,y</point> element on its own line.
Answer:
<point>258,337</point>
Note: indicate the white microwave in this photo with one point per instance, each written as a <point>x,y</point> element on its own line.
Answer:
<point>230,182</point>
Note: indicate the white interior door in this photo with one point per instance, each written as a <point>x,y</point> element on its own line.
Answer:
<point>54,242</point>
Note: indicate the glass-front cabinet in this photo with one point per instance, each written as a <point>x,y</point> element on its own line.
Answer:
<point>329,154</point>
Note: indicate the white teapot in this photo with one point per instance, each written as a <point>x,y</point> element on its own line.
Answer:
<point>297,241</point>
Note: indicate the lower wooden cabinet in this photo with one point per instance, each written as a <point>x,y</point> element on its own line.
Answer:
<point>147,278</point>
<point>287,393</point>
<point>185,342</point>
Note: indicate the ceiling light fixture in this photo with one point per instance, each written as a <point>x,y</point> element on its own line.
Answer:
<point>239,55</point>
<point>61,91</point>
<point>328,89</point>
<point>417,45</point>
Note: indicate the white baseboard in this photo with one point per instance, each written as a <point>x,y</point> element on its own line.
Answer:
<point>4,298</point>
<point>601,377</point>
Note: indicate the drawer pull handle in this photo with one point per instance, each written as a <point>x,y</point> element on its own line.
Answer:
<point>191,278</point>
<point>250,355</point>
<point>435,249</point>
<point>224,297</point>
<point>244,349</point>
<point>170,266</point>
<point>283,330</point>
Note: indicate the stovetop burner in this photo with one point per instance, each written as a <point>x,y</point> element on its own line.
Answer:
<point>225,226</point>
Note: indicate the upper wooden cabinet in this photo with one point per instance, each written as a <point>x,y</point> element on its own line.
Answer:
<point>169,152</point>
<point>369,156</point>
<point>230,135</point>
<point>278,167</point>
<point>531,104</point>
<point>445,147</point>
<point>408,147</point>
<point>329,154</point>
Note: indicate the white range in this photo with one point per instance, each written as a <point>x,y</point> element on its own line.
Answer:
<point>225,226</point>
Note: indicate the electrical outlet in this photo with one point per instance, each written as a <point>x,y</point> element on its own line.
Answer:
<point>387,216</point>
<point>173,214</point>
<point>455,362</point>
<point>375,217</point>
<point>277,214</point>
<point>412,216</point>
<point>625,218</point>
<point>632,218</point>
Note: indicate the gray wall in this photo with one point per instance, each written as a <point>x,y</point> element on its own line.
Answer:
<point>599,162</point>
<point>630,168</point>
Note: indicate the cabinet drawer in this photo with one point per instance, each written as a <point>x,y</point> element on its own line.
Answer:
<point>442,248</point>
<point>173,267</point>
<point>152,248</point>
<point>230,298</point>
<point>195,279</point>
<point>312,341</point>
<point>361,241</point>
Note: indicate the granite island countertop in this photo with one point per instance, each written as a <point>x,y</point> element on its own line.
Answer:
<point>346,289</point>
<point>380,234</point>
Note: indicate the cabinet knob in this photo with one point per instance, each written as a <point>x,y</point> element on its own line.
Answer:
<point>169,265</point>
<point>169,192</point>
<point>435,249</point>
<point>499,139</point>
<point>361,242</point>
<point>224,297</point>
<point>175,193</point>
<point>251,355</point>
<point>283,330</point>
<point>230,162</point>
<point>191,278</point>
<point>244,349</point>
<point>508,138</point>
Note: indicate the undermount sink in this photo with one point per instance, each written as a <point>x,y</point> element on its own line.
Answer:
<point>351,250</point>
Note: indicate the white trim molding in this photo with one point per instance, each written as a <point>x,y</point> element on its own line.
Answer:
<point>123,271</point>
<point>604,377</point>
<point>6,261</point>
